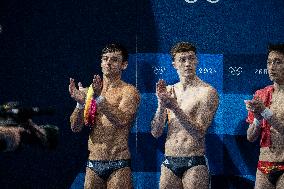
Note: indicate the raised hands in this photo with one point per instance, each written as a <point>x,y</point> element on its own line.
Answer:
<point>97,85</point>
<point>166,99</point>
<point>256,106</point>
<point>78,95</point>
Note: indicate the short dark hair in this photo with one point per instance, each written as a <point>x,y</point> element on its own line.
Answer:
<point>276,47</point>
<point>182,47</point>
<point>115,47</point>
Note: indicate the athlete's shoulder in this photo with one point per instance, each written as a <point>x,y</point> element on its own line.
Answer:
<point>264,90</point>
<point>130,89</point>
<point>208,88</point>
<point>210,94</point>
<point>267,88</point>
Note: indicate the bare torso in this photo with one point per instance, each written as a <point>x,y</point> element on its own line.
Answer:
<point>181,142</point>
<point>106,142</point>
<point>275,153</point>
<point>108,139</point>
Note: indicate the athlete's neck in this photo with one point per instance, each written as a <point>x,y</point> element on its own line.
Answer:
<point>111,81</point>
<point>189,82</point>
<point>279,87</point>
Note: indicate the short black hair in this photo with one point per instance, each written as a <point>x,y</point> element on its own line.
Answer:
<point>115,47</point>
<point>182,47</point>
<point>276,47</point>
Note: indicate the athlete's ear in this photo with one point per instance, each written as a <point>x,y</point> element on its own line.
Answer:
<point>124,65</point>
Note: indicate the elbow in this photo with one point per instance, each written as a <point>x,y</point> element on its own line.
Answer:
<point>76,128</point>
<point>156,128</point>
<point>251,138</point>
<point>156,134</point>
<point>252,134</point>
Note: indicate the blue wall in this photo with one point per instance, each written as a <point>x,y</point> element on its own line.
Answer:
<point>44,43</point>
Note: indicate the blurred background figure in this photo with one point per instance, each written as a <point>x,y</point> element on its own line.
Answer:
<point>17,127</point>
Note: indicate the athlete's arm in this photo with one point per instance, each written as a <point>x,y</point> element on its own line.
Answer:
<point>204,116</point>
<point>124,114</point>
<point>158,122</point>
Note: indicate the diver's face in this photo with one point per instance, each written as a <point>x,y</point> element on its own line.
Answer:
<point>185,63</point>
<point>112,63</point>
<point>275,66</point>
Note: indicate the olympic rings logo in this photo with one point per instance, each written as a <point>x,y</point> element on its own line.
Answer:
<point>194,1</point>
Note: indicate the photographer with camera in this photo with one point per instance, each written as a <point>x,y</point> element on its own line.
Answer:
<point>17,128</point>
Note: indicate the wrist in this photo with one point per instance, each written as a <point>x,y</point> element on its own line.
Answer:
<point>266,113</point>
<point>80,106</point>
<point>96,94</point>
<point>256,122</point>
<point>99,99</point>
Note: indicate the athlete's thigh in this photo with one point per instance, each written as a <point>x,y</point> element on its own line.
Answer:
<point>280,182</point>
<point>262,182</point>
<point>93,181</point>
<point>169,180</point>
<point>120,179</point>
<point>196,177</point>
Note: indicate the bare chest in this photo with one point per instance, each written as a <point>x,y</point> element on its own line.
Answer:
<point>113,96</point>
<point>189,100</point>
<point>277,105</point>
